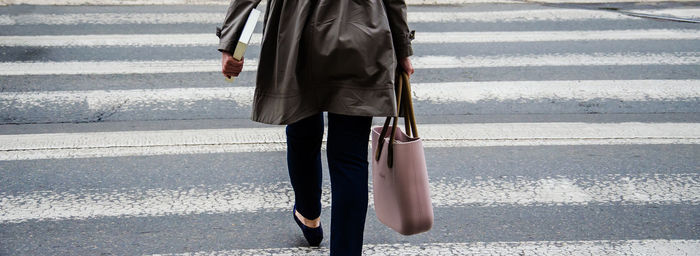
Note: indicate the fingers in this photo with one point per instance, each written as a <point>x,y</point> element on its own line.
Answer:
<point>230,66</point>
<point>230,74</point>
<point>233,63</point>
<point>406,65</point>
<point>410,70</point>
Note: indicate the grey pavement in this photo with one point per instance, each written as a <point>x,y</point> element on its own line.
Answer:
<point>133,233</point>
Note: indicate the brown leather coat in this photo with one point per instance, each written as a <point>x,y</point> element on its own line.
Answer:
<point>323,55</point>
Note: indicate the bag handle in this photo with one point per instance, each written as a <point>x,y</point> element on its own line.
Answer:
<point>410,118</point>
<point>385,127</point>
<point>403,96</point>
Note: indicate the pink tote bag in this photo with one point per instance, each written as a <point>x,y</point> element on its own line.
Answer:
<point>399,173</point>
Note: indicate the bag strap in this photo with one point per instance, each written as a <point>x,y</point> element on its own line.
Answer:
<point>385,128</point>
<point>403,96</point>
<point>410,118</point>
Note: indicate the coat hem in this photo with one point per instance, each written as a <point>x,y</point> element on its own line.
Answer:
<point>282,110</point>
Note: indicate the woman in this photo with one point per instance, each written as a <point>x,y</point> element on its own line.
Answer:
<point>338,56</point>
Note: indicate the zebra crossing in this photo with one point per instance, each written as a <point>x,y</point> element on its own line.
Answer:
<point>653,247</point>
<point>428,37</point>
<point>548,130</point>
<point>216,17</point>
<point>202,141</point>
<point>445,192</point>
<point>423,62</point>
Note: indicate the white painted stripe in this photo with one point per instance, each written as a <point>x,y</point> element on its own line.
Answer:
<point>433,93</point>
<point>604,1</point>
<point>217,17</point>
<point>207,39</point>
<point>693,13</point>
<point>114,18</point>
<point>579,90</point>
<point>183,66</point>
<point>226,3</point>
<point>573,248</point>
<point>595,59</point>
<point>200,141</point>
<point>115,67</point>
<point>549,36</point>
<point>128,99</point>
<point>639,189</point>
<point>516,16</point>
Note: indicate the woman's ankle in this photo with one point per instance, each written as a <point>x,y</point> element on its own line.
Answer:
<point>309,223</point>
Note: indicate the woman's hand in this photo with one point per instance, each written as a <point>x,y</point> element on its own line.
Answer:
<point>229,65</point>
<point>406,65</point>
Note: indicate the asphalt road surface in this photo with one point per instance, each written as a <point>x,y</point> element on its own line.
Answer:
<point>549,129</point>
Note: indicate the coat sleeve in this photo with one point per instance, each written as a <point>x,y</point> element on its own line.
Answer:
<point>236,16</point>
<point>396,12</point>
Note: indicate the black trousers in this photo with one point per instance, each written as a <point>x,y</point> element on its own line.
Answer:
<point>347,162</point>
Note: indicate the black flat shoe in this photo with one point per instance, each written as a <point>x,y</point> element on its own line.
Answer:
<point>312,235</point>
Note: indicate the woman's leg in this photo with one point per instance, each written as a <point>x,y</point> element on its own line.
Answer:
<point>348,138</point>
<point>304,164</point>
